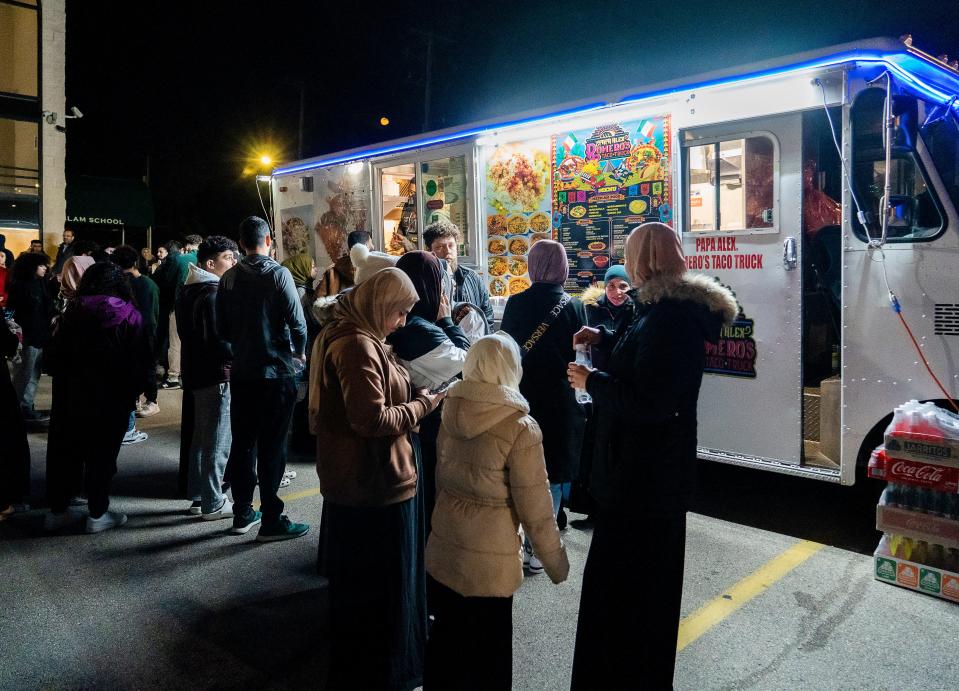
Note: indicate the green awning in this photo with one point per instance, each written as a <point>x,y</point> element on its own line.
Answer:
<point>111,202</point>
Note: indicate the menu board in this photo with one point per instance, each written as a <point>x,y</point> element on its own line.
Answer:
<point>518,212</point>
<point>605,181</point>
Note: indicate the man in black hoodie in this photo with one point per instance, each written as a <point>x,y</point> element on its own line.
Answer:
<point>259,313</point>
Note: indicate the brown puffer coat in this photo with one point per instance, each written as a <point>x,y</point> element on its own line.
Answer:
<point>490,478</point>
<point>362,410</point>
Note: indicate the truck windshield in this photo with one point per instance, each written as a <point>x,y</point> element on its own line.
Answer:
<point>914,210</point>
<point>941,135</point>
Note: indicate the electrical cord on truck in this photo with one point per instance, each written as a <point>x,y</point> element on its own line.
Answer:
<point>860,214</point>
<point>897,308</point>
<point>876,245</point>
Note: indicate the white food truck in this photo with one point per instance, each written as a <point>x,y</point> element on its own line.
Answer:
<point>813,186</point>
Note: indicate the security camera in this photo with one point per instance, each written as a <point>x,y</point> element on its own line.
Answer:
<point>76,113</point>
<point>60,128</point>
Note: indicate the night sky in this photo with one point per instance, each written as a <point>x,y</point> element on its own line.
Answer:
<point>195,88</point>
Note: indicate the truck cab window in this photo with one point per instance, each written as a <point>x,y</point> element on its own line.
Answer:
<point>914,212</point>
<point>730,185</point>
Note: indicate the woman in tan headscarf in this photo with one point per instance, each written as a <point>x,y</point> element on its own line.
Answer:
<point>365,415</point>
<point>644,463</point>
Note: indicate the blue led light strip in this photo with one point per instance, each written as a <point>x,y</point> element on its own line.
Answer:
<point>443,139</point>
<point>889,60</point>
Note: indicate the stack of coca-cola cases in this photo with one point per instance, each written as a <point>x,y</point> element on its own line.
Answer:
<point>920,486</point>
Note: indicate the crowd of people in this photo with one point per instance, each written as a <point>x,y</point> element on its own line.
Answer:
<point>445,451</point>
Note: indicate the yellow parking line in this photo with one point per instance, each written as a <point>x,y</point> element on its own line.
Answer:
<point>713,612</point>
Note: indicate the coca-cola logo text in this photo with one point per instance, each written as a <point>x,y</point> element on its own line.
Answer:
<point>928,473</point>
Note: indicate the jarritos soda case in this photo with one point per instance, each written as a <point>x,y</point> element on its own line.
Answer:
<point>913,574</point>
<point>919,509</point>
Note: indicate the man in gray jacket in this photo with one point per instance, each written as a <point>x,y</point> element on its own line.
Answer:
<point>260,315</point>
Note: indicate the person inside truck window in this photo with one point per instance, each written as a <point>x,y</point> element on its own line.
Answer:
<point>645,462</point>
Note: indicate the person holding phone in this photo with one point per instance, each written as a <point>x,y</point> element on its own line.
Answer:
<point>432,348</point>
<point>645,404</point>
<point>364,412</point>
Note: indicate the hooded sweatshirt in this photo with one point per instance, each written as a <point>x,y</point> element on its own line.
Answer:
<point>490,478</point>
<point>259,313</point>
<point>205,355</point>
<point>102,357</point>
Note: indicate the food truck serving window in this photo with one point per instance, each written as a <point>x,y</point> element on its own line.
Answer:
<point>444,191</point>
<point>731,185</point>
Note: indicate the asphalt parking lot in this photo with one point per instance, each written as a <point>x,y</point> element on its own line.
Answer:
<point>778,594</point>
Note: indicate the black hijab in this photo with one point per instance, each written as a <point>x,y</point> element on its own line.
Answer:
<point>427,277</point>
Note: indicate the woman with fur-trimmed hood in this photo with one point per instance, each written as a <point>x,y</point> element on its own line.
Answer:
<point>644,463</point>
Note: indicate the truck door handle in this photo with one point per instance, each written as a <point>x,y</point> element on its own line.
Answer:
<point>789,253</point>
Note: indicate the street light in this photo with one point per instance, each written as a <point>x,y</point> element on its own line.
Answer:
<point>266,160</point>
<point>384,121</point>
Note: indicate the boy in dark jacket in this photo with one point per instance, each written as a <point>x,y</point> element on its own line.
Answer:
<point>260,314</point>
<point>206,359</point>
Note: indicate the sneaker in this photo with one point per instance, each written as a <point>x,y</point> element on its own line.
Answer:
<point>110,519</point>
<point>283,529</point>
<point>285,481</point>
<point>56,521</point>
<point>531,562</point>
<point>147,409</point>
<point>225,511</point>
<point>245,521</point>
<point>170,384</point>
<point>291,474</point>
<point>196,508</point>
<point>582,523</point>
<point>134,436</point>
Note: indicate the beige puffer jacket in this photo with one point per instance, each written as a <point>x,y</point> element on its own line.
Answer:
<point>490,478</point>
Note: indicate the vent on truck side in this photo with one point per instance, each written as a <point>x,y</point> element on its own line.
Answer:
<point>947,320</point>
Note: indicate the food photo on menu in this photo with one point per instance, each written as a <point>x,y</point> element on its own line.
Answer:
<point>518,212</point>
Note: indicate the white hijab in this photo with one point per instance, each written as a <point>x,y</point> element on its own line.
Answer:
<point>494,359</point>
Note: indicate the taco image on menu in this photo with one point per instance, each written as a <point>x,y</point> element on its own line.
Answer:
<point>496,224</point>
<point>498,266</point>
<point>539,222</point>
<point>498,287</point>
<point>497,245</point>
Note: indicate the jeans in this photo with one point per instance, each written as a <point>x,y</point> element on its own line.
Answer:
<point>557,492</point>
<point>260,414</point>
<point>26,376</point>
<point>132,422</point>
<point>210,448</point>
<point>173,354</point>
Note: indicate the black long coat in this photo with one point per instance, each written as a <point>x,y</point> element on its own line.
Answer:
<point>646,401</point>
<point>552,401</point>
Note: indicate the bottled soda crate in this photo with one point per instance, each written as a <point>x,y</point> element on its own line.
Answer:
<point>932,580</point>
<point>900,471</point>
<point>924,432</point>
<point>919,513</point>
